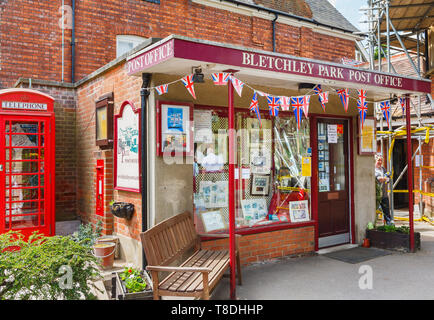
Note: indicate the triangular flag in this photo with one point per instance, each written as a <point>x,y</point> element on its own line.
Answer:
<point>189,84</point>
<point>306,100</point>
<point>317,89</point>
<point>297,107</point>
<point>344,95</point>
<point>402,103</point>
<point>285,103</point>
<point>362,105</point>
<point>273,105</point>
<point>385,107</point>
<point>254,106</point>
<point>162,89</point>
<point>220,78</point>
<point>262,94</point>
<point>238,85</point>
<point>323,99</point>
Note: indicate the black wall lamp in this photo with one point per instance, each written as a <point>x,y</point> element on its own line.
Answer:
<point>198,76</point>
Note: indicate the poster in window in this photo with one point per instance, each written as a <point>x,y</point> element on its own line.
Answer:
<point>213,221</point>
<point>367,143</point>
<point>299,211</point>
<point>260,185</point>
<point>127,164</point>
<point>175,128</point>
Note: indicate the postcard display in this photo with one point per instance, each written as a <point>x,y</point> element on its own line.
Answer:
<point>268,171</point>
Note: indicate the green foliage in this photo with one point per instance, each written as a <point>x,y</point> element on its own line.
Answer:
<point>133,280</point>
<point>393,228</point>
<point>87,235</point>
<point>45,268</point>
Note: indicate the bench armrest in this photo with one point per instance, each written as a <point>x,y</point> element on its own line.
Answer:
<point>178,269</point>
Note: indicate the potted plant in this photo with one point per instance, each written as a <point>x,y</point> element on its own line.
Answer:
<point>122,209</point>
<point>131,284</point>
<point>392,238</point>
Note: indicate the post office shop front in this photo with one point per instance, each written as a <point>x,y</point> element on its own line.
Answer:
<point>288,132</point>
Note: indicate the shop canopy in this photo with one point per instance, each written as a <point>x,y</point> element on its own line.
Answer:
<point>177,55</point>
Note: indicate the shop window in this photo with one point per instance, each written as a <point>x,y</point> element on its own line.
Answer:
<point>272,171</point>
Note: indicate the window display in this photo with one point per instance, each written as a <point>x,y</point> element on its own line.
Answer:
<point>272,170</point>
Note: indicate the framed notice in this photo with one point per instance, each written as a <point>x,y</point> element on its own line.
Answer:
<point>174,128</point>
<point>260,185</point>
<point>299,211</point>
<point>367,142</point>
<point>213,221</point>
<point>127,146</point>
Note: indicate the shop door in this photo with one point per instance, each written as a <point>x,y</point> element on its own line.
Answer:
<point>333,183</point>
<point>25,174</point>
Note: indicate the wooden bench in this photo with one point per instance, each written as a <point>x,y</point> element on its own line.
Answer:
<point>199,274</point>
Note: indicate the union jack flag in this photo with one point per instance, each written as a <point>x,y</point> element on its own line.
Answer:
<point>362,105</point>
<point>344,95</point>
<point>189,84</point>
<point>273,105</point>
<point>323,99</point>
<point>402,103</point>
<point>162,89</point>
<point>306,100</point>
<point>238,85</point>
<point>220,78</point>
<point>297,106</point>
<point>385,107</point>
<point>317,89</point>
<point>262,94</point>
<point>285,103</point>
<point>254,106</point>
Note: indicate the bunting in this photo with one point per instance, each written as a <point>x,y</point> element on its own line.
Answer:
<point>317,89</point>
<point>238,85</point>
<point>385,107</point>
<point>306,100</point>
<point>297,107</point>
<point>254,106</point>
<point>220,78</point>
<point>323,99</point>
<point>344,96</point>
<point>362,105</point>
<point>189,84</point>
<point>162,89</point>
<point>273,105</point>
<point>402,103</point>
<point>285,103</point>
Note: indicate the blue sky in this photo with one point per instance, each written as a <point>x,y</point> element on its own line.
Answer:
<point>350,10</point>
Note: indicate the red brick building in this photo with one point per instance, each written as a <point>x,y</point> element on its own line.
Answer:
<point>87,60</point>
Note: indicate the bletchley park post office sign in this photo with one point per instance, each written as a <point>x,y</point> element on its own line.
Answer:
<point>182,48</point>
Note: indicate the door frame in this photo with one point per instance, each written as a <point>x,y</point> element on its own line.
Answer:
<point>315,194</point>
<point>50,218</point>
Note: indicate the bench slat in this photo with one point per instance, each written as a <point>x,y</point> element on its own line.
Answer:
<point>179,277</point>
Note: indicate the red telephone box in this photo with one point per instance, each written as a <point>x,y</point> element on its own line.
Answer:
<point>27,162</point>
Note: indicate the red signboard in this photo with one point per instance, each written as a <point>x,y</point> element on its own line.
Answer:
<point>198,50</point>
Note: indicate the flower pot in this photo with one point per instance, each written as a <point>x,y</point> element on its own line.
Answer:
<point>111,238</point>
<point>122,210</point>
<point>392,240</point>
<point>106,253</point>
<point>120,292</point>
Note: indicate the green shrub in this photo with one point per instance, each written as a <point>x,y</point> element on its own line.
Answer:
<point>87,235</point>
<point>46,268</point>
<point>393,228</point>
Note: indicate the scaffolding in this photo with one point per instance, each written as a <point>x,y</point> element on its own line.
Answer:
<point>400,26</point>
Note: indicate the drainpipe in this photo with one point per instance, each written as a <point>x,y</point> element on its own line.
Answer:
<point>73,44</point>
<point>274,31</point>
<point>144,94</point>
<point>63,39</point>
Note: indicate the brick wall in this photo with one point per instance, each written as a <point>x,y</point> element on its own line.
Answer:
<point>31,38</point>
<point>66,171</point>
<point>123,88</point>
<point>270,245</point>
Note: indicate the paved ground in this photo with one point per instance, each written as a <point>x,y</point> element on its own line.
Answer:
<point>396,276</point>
